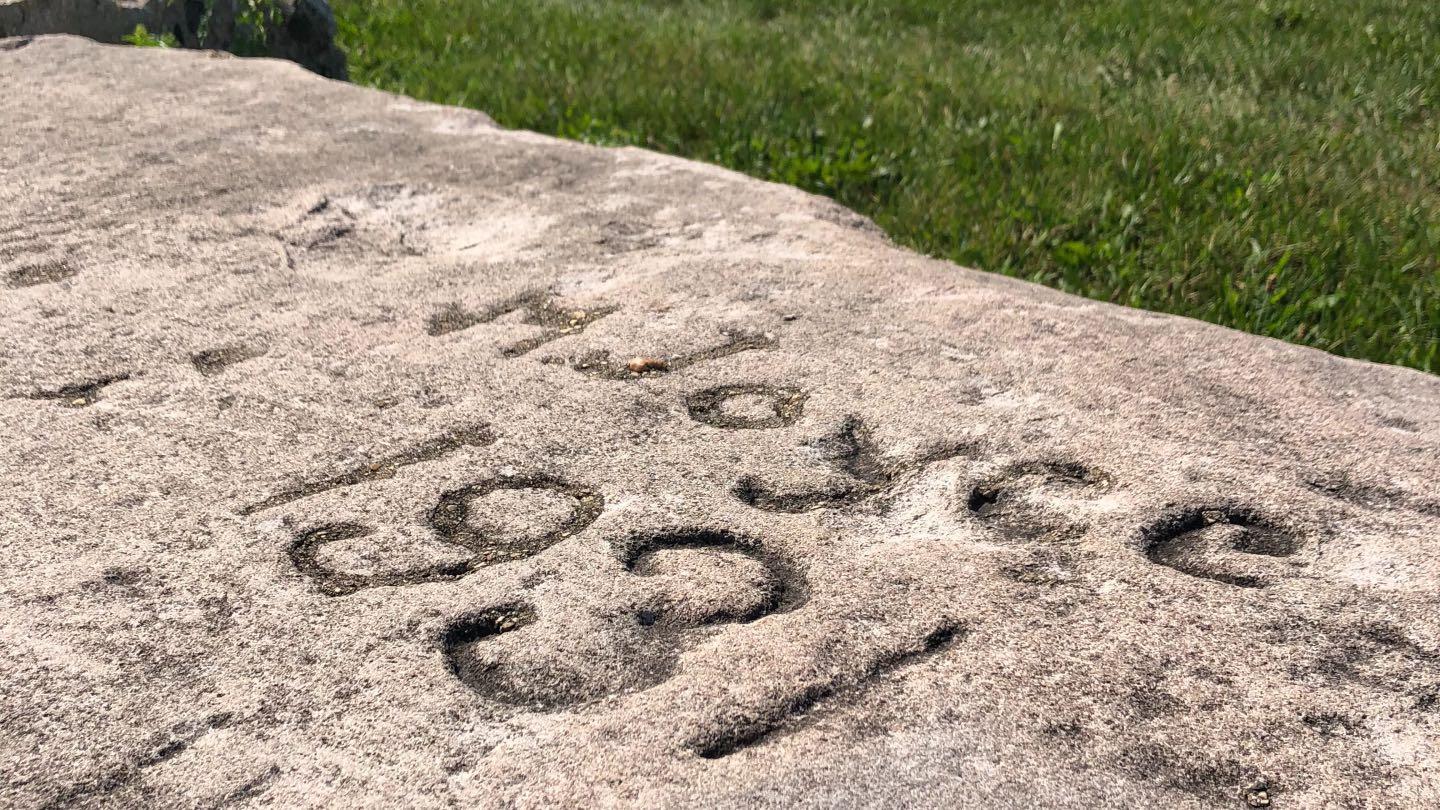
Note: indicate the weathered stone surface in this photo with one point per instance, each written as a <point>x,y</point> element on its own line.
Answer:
<point>302,31</point>
<point>328,481</point>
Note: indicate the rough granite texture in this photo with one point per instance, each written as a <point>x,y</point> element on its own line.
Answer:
<point>360,453</point>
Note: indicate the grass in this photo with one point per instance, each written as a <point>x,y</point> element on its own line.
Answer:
<point>1268,165</point>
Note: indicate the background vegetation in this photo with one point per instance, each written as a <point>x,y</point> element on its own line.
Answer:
<point>1271,165</point>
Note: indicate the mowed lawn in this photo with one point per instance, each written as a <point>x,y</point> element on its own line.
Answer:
<point>1271,166</point>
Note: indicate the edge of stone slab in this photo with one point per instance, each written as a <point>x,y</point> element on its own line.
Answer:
<point>820,207</point>
<point>297,71</point>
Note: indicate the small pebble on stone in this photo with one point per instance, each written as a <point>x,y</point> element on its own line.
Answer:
<point>640,365</point>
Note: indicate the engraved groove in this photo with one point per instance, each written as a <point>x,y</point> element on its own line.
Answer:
<point>1221,543</point>
<point>538,308</point>
<point>473,436</point>
<point>450,522</point>
<point>646,644</point>
<point>598,363</point>
<point>81,394</point>
<point>852,452</point>
<point>793,713</point>
<point>785,406</point>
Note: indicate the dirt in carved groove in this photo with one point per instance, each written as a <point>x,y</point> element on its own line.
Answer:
<point>305,556</point>
<point>211,362</point>
<point>46,272</point>
<point>464,640</point>
<point>852,452</point>
<point>685,581</point>
<point>1229,544</point>
<point>164,747</point>
<point>1371,496</point>
<point>81,394</point>
<point>451,518</point>
<point>717,406</point>
<point>1011,504</point>
<point>793,713</point>
<point>539,308</point>
<point>599,364</point>
<point>786,588</point>
<point>451,523</point>
<point>386,467</point>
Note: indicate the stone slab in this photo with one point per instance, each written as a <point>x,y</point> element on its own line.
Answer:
<point>358,452</point>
